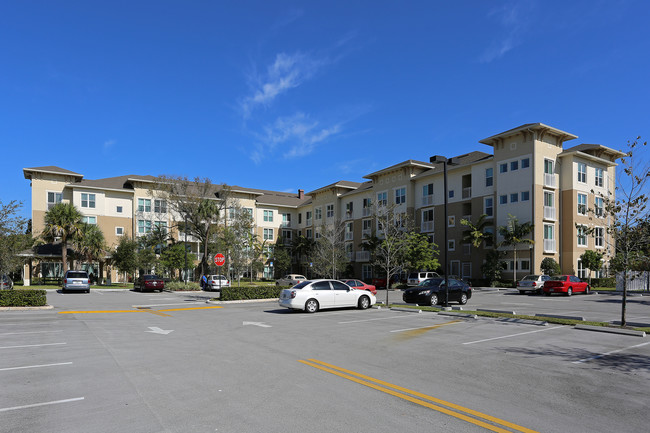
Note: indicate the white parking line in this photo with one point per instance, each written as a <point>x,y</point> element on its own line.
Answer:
<point>513,335</point>
<point>4,409</point>
<point>32,345</point>
<point>35,366</point>
<point>417,316</point>
<point>28,332</point>
<point>609,353</point>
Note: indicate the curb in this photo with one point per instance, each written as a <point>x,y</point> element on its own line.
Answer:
<point>242,301</point>
<point>496,311</point>
<point>524,321</point>
<point>407,310</point>
<point>555,316</point>
<point>449,313</point>
<point>45,307</point>
<point>630,332</point>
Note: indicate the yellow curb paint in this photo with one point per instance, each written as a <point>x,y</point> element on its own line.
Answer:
<point>348,374</point>
<point>191,308</point>
<point>101,312</point>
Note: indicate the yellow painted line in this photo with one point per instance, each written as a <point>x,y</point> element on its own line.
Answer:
<point>191,308</point>
<point>367,381</point>
<point>157,313</point>
<point>417,331</point>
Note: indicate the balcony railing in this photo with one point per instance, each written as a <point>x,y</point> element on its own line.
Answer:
<point>550,180</point>
<point>467,192</point>
<point>427,226</point>
<point>308,223</point>
<point>427,200</point>
<point>348,215</point>
<point>285,224</point>
<point>365,212</point>
<point>349,236</point>
<point>549,245</point>
<point>363,256</point>
<point>549,213</point>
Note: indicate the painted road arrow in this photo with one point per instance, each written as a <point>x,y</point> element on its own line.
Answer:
<point>157,330</point>
<point>261,324</point>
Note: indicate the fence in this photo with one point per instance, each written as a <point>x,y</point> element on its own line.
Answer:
<point>639,281</point>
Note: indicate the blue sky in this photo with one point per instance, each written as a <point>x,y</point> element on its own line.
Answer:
<point>285,95</point>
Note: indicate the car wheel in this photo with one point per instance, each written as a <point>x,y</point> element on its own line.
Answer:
<point>522,292</point>
<point>547,293</point>
<point>569,291</point>
<point>311,306</point>
<point>463,299</point>
<point>364,302</point>
<point>588,290</point>
<point>433,301</point>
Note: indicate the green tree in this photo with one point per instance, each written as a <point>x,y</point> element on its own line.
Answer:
<point>125,256</point>
<point>91,245</point>
<point>281,260</point>
<point>13,238</point>
<point>493,266</point>
<point>550,267</point>
<point>592,260</point>
<point>515,234</point>
<point>63,221</point>
<point>172,258</point>
<point>328,255</point>
<point>147,260</point>
<point>421,253</point>
<point>302,248</point>
<point>476,233</point>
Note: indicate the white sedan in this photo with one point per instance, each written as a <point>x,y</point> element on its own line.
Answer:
<point>314,295</point>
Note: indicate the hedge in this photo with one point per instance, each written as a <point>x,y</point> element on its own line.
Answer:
<point>180,285</point>
<point>603,282</point>
<point>249,292</point>
<point>23,298</point>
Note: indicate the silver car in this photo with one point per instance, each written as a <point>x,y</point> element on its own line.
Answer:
<point>6,283</point>
<point>216,282</point>
<point>532,283</point>
<point>76,281</point>
<point>290,280</point>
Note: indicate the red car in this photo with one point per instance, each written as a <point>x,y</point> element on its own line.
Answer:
<point>149,282</point>
<point>567,284</point>
<point>358,284</point>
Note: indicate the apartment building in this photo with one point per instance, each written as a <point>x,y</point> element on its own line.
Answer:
<point>528,174</point>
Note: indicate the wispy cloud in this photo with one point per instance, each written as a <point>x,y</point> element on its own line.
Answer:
<point>512,17</point>
<point>298,134</point>
<point>288,71</point>
<point>108,145</point>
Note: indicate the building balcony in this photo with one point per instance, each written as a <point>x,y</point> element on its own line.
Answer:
<point>366,211</point>
<point>467,192</point>
<point>550,180</point>
<point>366,233</point>
<point>348,215</point>
<point>549,246</point>
<point>286,224</point>
<point>363,256</point>
<point>349,236</point>
<point>549,213</point>
<point>427,200</point>
<point>426,226</point>
<point>308,222</point>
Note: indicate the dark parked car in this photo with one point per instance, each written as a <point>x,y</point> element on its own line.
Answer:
<point>432,292</point>
<point>76,281</point>
<point>149,282</point>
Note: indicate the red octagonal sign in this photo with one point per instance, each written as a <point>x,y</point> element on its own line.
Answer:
<point>219,259</point>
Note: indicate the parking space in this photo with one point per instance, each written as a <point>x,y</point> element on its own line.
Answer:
<point>143,362</point>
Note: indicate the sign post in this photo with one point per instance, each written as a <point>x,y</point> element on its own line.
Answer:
<point>219,260</point>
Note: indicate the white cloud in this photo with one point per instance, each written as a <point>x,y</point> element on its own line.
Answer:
<point>108,144</point>
<point>285,73</point>
<point>512,19</point>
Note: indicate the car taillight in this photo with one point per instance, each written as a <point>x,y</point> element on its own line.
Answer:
<point>65,281</point>
<point>293,294</point>
<point>518,283</point>
<point>534,284</point>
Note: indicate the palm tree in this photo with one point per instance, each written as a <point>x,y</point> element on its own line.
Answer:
<point>63,221</point>
<point>514,234</point>
<point>476,234</point>
<point>91,245</point>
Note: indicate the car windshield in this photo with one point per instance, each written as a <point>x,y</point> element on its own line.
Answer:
<point>432,282</point>
<point>558,278</point>
<point>531,278</point>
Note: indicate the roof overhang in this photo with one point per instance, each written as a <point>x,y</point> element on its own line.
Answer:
<point>539,129</point>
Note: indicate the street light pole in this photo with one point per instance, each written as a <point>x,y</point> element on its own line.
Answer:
<point>185,230</point>
<point>444,161</point>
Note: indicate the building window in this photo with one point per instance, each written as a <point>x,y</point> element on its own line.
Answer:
<point>514,197</point>
<point>308,217</point>
<point>488,206</point>
<point>366,272</point>
<point>582,272</point>
<point>160,206</point>
<point>329,211</point>
<point>489,240</point>
<point>427,220</point>
<point>548,166</point>
<point>451,245</point>
<point>598,206</point>
<point>514,165</point>
<point>309,234</point>
<point>268,216</point>
<point>286,219</point>
<point>286,236</point>
<point>525,195</point>
<point>427,194</point>
<point>503,168</point>
<point>382,199</point>
<point>451,221</point>
<point>162,225</point>
<point>119,231</point>
<point>144,205</point>
<point>144,226</point>
<point>489,176</point>
<point>300,218</point>
<point>582,236</point>
<point>318,214</point>
<point>503,199</point>
<point>349,208</point>
<point>582,172</point>
<point>87,200</point>
<point>268,234</point>
<point>549,199</point>
<point>599,177</point>
<point>451,193</point>
<point>525,163</point>
<point>367,203</point>
<point>89,219</point>
<point>53,198</point>
<point>525,264</point>
<point>118,209</point>
<point>549,238</point>
<point>400,196</point>
<point>599,237</point>
<point>582,204</point>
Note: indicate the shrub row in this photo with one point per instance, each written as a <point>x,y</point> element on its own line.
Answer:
<point>249,292</point>
<point>180,285</point>
<point>23,298</point>
<point>603,282</point>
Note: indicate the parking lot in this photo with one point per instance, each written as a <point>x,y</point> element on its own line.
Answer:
<point>170,362</point>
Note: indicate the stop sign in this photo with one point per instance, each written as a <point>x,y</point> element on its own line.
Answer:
<point>219,259</point>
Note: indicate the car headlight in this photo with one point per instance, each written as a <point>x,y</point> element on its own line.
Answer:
<point>425,292</point>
